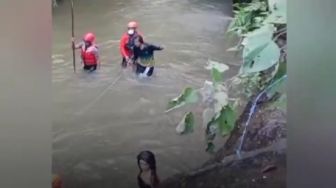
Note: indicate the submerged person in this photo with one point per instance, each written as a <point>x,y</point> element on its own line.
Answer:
<point>147,177</point>
<point>144,57</point>
<point>127,43</point>
<point>89,52</point>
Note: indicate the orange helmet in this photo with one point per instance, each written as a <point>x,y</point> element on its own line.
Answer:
<point>90,37</point>
<point>132,24</point>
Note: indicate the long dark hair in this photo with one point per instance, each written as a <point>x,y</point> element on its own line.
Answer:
<point>140,38</point>
<point>149,158</point>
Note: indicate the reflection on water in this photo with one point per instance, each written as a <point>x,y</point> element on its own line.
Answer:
<point>102,120</point>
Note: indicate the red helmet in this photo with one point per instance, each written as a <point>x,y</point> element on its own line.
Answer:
<point>132,24</point>
<point>90,37</point>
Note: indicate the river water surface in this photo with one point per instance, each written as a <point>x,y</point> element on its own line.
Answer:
<point>101,121</point>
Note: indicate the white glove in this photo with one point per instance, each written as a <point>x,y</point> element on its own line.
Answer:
<point>142,75</point>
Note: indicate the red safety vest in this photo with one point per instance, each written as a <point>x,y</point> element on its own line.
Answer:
<point>88,56</point>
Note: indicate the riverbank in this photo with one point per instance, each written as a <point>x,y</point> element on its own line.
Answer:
<point>261,165</point>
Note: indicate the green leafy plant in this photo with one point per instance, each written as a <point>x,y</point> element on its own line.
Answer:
<point>263,71</point>
<point>187,124</point>
<point>188,96</point>
<point>248,16</point>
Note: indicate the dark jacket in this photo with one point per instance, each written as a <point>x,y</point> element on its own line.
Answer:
<point>145,56</point>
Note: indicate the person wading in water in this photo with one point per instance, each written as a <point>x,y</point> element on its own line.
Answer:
<point>144,57</point>
<point>89,52</point>
<point>127,43</point>
<point>147,177</point>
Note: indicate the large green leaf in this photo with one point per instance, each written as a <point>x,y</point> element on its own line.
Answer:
<point>258,37</point>
<point>187,124</point>
<point>256,41</point>
<point>278,10</point>
<point>250,55</point>
<point>210,134</point>
<point>189,95</point>
<point>267,57</point>
<point>217,70</point>
<point>210,147</point>
<point>226,120</point>
<point>216,75</point>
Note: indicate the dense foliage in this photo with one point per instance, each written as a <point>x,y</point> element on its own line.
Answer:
<point>261,27</point>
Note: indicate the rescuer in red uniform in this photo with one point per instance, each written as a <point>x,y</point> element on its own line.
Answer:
<point>89,52</point>
<point>127,43</point>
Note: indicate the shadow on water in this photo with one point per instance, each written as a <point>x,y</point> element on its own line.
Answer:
<point>102,120</point>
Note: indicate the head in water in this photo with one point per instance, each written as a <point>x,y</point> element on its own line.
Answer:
<point>147,163</point>
<point>138,41</point>
<point>132,27</point>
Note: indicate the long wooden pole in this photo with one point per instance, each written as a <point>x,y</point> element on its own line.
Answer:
<point>73,36</point>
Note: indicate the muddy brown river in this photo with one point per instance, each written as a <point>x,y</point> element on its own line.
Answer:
<point>101,121</point>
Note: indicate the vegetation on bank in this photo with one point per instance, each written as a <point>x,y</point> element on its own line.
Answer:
<point>249,108</point>
<point>261,27</point>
